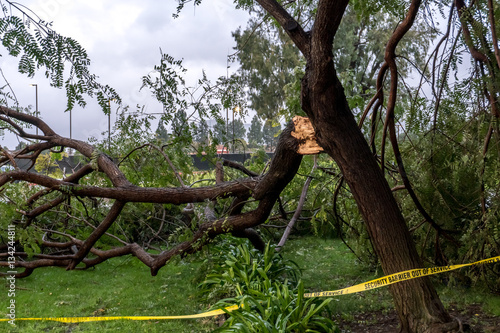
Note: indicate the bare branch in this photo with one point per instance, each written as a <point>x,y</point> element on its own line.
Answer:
<point>298,211</point>
<point>291,26</point>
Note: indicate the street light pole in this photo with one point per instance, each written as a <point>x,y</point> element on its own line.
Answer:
<point>70,122</point>
<point>109,125</point>
<point>227,128</point>
<point>236,109</point>
<point>36,103</point>
<point>233,132</point>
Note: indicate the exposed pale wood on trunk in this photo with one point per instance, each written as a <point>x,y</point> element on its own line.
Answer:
<point>304,133</point>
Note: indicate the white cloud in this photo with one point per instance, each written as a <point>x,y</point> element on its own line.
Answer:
<point>123,38</point>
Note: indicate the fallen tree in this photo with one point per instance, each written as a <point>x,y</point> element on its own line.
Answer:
<point>264,188</point>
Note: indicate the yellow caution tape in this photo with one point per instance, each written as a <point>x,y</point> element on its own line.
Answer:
<point>376,283</point>
<point>89,319</point>
<point>396,277</point>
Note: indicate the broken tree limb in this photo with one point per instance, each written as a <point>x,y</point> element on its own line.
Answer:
<point>264,188</point>
<point>300,205</point>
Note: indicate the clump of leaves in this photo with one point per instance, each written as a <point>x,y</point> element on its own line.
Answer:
<point>266,286</point>
<point>235,269</point>
<point>277,308</point>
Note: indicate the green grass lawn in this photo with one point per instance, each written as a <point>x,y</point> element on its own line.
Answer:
<point>119,287</point>
<point>124,287</point>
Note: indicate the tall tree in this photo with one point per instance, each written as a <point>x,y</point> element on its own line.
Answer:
<point>270,133</point>
<point>270,61</point>
<point>237,129</point>
<point>201,132</point>
<point>220,132</point>
<point>161,131</point>
<point>267,61</point>
<point>180,125</point>
<point>255,132</point>
<point>324,101</point>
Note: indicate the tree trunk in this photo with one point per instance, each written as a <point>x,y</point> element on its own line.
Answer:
<point>416,301</point>
<point>324,101</point>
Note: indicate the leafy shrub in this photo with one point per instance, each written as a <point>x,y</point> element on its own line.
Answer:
<point>268,289</point>
<point>237,267</point>
<point>277,308</point>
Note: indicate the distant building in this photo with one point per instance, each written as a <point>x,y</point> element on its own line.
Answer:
<point>222,150</point>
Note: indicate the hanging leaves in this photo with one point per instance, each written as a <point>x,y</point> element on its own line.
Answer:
<point>38,46</point>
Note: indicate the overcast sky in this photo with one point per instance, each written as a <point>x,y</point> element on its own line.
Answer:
<point>123,39</point>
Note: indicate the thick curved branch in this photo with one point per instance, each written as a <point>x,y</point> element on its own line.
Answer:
<point>134,193</point>
<point>326,24</point>
<point>26,118</point>
<point>73,178</point>
<point>390,59</point>
<point>209,230</point>
<point>291,26</point>
<point>475,53</point>
<point>486,56</point>
<point>266,188</point>
<point>239,167</point>
<point>283,168</point>
<point>102,161</point>
<point>113,214</point>
<point>389,124</point>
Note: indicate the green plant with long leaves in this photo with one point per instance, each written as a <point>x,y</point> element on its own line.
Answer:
<point>259,283</point>
<point>277,308</point>
<point>236,269</point>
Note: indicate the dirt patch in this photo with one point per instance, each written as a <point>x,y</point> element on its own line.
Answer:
<point>473,319</point>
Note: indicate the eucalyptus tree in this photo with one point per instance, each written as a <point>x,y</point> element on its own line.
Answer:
<point>237,129</point>
<point>269,60</point>
<point>161,131</point>
<point>201,132</point>
<point>255,132</point>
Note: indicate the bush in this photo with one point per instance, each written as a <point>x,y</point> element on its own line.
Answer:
<point>268,289</point>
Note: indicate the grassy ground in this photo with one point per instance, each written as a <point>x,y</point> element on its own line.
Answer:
<point>120,287</point>
<point>123,287</point>
<point>329,265</point>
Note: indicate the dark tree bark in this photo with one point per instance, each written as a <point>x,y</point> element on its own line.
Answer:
<point>324,101</point>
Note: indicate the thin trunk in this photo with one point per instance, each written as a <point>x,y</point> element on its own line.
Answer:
<point>296,215</point>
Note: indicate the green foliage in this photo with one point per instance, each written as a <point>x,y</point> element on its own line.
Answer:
<point>239,129</point>
<point>186,109</point>
<point>397,8</point>
<point>267,60</point>
<point>270,132</point>
<point>292,94</point>
<point>235,268</point>
<point>255,132</point>
<point>161,132</point>
<point>260,283</point>
<point>166,82</point>
<point>38,46</point>
<point>201,132</point>
<point>453,171</point>
<point>47,164</point>
<point>277,308</point>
